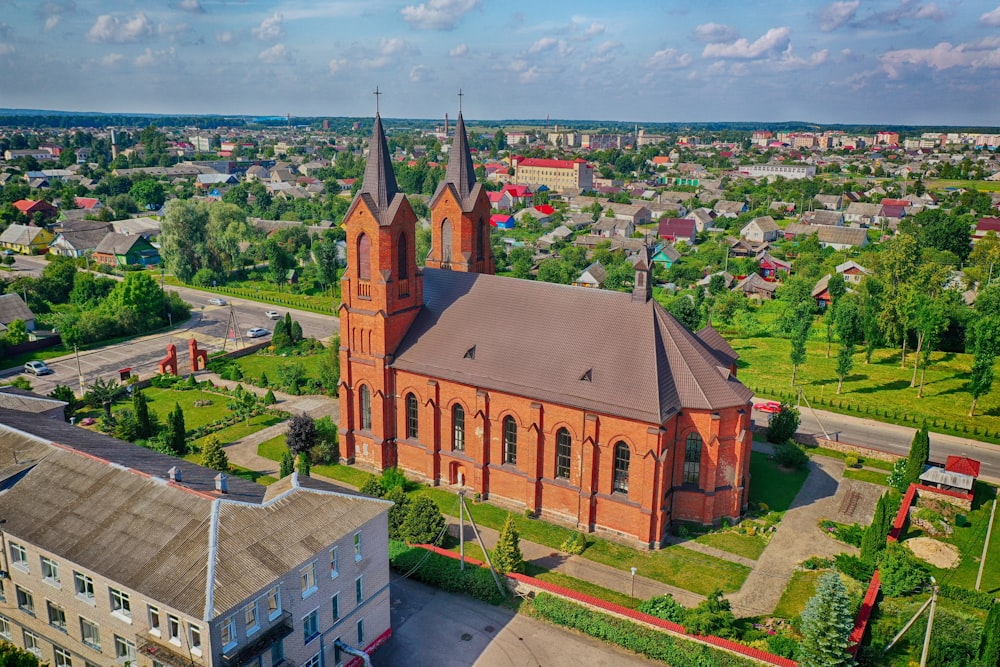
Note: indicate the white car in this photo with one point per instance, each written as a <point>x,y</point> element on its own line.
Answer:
<point>217,301</point>
<point>37,368</point>
<point>272,314</point>
<point>257,332</point>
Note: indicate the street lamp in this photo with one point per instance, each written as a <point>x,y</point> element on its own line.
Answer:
<point>634,570</point>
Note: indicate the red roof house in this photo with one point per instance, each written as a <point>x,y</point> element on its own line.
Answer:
<point>545,209</point>
<point>677,229</point>
<point>963,465</point>
<point>29,207</point>
<point>984,225</point>
<point>89,203</point>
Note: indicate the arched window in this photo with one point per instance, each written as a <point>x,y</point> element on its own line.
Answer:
<point>509,440</point>
<point>364,257</point>
<point>365,405</point>
<point>692,459</point>
<point>412,415</point>
<point>458,428</point>
<point>484,239</point>
<point>477,236</point>
<point>446,241</point>
<point>402,249</point>
<point>564,448</point>
<point>619,483</point>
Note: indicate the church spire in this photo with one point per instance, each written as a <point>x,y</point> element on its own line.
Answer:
<point>380,179</point>
<point>460,172</point>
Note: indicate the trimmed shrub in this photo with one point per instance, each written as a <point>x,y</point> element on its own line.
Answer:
<point>854,567</point>
<point>574,544</point>
<point>444,572</point>
<point>790,455</point>
<point>974,599</point>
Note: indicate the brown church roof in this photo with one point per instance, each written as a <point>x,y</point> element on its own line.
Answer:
<point>541,340</point>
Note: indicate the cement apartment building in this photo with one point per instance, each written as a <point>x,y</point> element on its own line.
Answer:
<point>117,554</point>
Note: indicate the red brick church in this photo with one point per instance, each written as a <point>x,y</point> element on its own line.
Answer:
<point>593,408</point>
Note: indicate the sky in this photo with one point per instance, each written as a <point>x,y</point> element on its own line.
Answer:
<point>888,62</point>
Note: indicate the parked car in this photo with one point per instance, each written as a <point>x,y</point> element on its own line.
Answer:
<point>8,251</point>
<point>768,406</point>
<point>37,368</point>
<point>272,314</point>
<point>217,301</point>
<point>257,332</point>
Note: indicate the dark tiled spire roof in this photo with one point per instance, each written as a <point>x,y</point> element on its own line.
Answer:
<point>461,172</point>
<point>380,180</point>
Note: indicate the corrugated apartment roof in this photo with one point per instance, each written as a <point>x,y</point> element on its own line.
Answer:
<point>538,340</point>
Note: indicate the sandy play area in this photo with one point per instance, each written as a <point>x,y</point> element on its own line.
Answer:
<point>938,554</point>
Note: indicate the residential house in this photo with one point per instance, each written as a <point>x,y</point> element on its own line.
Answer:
<point>258,173</point>
<point>729,209</point>
<point>31,207</point>
<point>771,267</point>
<point>821,292</point>
<point>830,202</point>
<point>147,227</point>
<point>755,286</point>
<point>501,201</point>
<point>761,229</point>
<point>122,250</point>
<point>673,230</point>
<point>521,195</point>
<point>502,221</point>
<point>593,276</point>
<point>728,279</point>
<point>78,243</point>
<point>862,214</point>
<point>703,218</point>
<point>209,181</point>
<point>92,204</point>
<point>741,247</point>
<point>13,307</point>
<point>534,213</point>
<point>782,206</point>
<point>26,239</point>
<point>852,272</point>
<point>560,233</point>
<point>984,226</point>
<point>637,214</point>
<point>838,238</point>
<point>608,227</point>
<point>822,217</point>
<point>171,564</point>
<point>665,255</point>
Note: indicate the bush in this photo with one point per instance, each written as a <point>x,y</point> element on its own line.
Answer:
<point>393,477</point>
<point>974,599</point>
<point>781,425</point>
<point>423,523</point>
<point>665,607</point>
<point>817,563</point>
<point>444,572</point>
<point>902,572</point>
<point>574,544</point>
<point>790,455</point>
<point>373,487</point>
<point>852,462</point>
<point>783,645</point>
<point>854,567</point>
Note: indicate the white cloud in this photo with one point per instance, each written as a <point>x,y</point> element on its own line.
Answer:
<point>151,57</point>
<point>275,54</point>
<point>52,21</point>
<point>459,51</point>
<point>595,29</point>
<point>418,73</point>
<point>530,75</point>
<point>193,6</point>
<point>837,14</point>
<point>388,52</point>
<point>173,31</point>
<point>930,12</point>
<point>668,59</point>
<point>437,14</point>
<point>112,59</point>
<point>773,41</point>
<point>714,33</point>
<point>112,29</point>
<point>908,9</point>
<point>54,10</point>
<point>270,29</point>
<point>338,65</point>
<point>789,61</point>
<point>608,47</point>
<point>389,47</point>
<point>991,18</point>
<point>224,37</point>
<point>984,53</point>
<point>543,44</point>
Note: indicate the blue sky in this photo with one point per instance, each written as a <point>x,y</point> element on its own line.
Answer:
<point>850,61</point>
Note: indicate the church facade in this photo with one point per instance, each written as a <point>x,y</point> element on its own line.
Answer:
<point>592,408</point>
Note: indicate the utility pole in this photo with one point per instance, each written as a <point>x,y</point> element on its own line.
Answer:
<point>79,369</point>
<point>986,546</point>
<point>461,529</point>
<point>930,624</point>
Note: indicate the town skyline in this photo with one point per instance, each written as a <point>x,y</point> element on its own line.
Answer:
<point>899,62</point>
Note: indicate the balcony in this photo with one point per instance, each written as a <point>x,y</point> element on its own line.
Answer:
<point>162,653</point>
<point>239,656</point>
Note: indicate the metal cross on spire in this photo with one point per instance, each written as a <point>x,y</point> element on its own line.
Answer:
<point>460,95</point>
<point>377,94</point>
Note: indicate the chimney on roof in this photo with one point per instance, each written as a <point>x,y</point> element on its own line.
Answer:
<point>174,474</point>
<point>221,483</point>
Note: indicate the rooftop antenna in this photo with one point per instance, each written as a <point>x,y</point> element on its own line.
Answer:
<point>377,94</point>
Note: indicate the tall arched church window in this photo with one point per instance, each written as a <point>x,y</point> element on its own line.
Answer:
<point>458,428</point>
<point>364,257</point>
<point>365,407</point>
<point>403,262</point>
<point>509,440</point>
<point>620,479</point>
<point>412,416</point>
<point>446,240</point>
<point>564,450</point>
<point>692,459</point>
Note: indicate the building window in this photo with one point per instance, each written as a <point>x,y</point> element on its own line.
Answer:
<point>50,570</point>
<point>458,428</point>
<point>361,632</point>
<point>338,659</point>
<point>403,256</point>
<point>250,618</point>
<point>308,579</point>
<point>357,546</point>
<point>90,634</point>
<point>120,603</point>
<point>335,604</point>
<point>57,615</point>
<point>63,657</point>
<point>310,626</point>
<point>365,405</point>
<point>227,632</point>
<point>312,662</point>
<point>194,639</point>
<point>334,570</point>
<point>84,586</point>
<point>173,629</point>
<point>564,449</point>
<point>154,620</point>
<point>359,589</point>
<point>124,650</point>
<point>364,257</point>
<point>18,556</point>
<point>412,416</point>
<point>509,440</point>
<point>692,459</point>
<point>273,603</point>
<point>5,628</point>
<point>620,482</point>
<point>25,600</point>
<point>32,643</point>
<point>277,651</point>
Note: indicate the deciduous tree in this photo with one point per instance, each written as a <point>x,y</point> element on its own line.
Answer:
<point>423,523</point>
<point>301,435</point>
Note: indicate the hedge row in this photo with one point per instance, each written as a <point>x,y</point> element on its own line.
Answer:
<point>975,599</point>
<point>632,636</point>
<point>445,573</point>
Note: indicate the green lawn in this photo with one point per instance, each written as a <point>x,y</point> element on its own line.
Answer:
<point>162,402</point>
<point>275,447</point>
<point>800,588</point>
<point>748,546</point>
<point>870,476</point>
<point>880,390</point>
<point>982,186</point>
<point>254,364</point>
<point>771,485</point>
<point>673,565</point>
<point>306,298</point>
<point>242,429</point>
<point>833,453</point>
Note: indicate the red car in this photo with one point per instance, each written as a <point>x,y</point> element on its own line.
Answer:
<point>768,406</point>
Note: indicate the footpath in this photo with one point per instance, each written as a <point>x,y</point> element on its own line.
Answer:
<point>825,494</point>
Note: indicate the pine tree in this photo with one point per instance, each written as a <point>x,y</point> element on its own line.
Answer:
<point>305,465</point>
<point>423,523</point>
<point>827,625</point>
<point>397,513</point>
<point>177,431</point>
<point>143,420</point>
<point>873,540</point>
<point>507,555</point>
<point>269,398</point>
<point>287,464</point>
<point>214,456</point>
<point>920,451</point>
<point>989,643</point>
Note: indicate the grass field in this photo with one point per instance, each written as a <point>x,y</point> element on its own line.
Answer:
<point>748,546</point>
<point>880,390</point>
<point>268,293</point>
<point>254,364</point>
<point>275,447</point>
<point>162,402</point>
<point>772,485</point>
<point>982,186</point>
<point>870,476</point>
<point>242,429</point>
<point>800,588</point>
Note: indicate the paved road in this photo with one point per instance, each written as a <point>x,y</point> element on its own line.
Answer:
<point>432,627</point>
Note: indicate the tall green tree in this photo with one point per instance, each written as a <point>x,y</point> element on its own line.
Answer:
<point>986,345</point>
<point>836,288</point>
<point>176,431</point>
<point>826,625</point>
<point>920,452</point>
<point>144,424</point>
<point>148,193</point>
<point>214,456</point>
<point>507,555</point>
<point>802,313</point>
<point>989,642</point>
<point>286,465</point>
<point>423,523</point>
<point>874,539</point>
<point>845,364</point>
<point>897,263</point>
<point>305,464</point>
<point>301,435</point>
<point>184,238</point>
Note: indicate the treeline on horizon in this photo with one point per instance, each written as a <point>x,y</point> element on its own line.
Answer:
<point>37,118</point>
